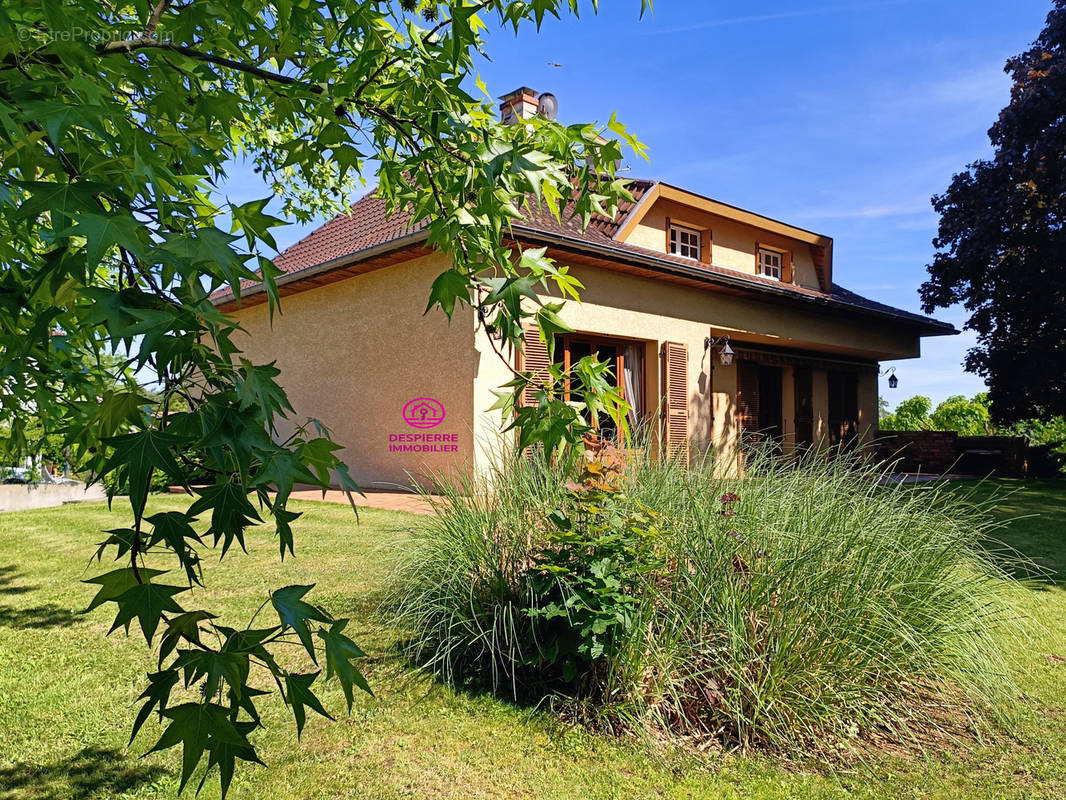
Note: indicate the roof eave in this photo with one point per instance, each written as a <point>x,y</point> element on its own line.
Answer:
<point>413,238</point>
<point>926,327</point>
<point>929,327</point>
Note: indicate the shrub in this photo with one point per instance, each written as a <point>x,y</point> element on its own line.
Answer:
<point>1048,436</point>
<point>805,606</point>
<point>589,572</point>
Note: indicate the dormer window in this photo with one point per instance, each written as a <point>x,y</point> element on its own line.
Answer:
<point>770,263</point>
<point>685,242</point>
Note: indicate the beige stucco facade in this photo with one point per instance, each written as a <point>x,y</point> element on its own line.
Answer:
<point>655,312</point>
<point>355,351</point>
<point>732,243</point>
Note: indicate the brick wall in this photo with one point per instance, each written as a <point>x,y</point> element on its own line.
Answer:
<point>946,451</point>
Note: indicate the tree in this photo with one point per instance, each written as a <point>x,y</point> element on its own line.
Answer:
<point>970,417</point>
<point>1001,245</point>
<point>886,420</point>
<point>910,415</point>
<point>118,123</point>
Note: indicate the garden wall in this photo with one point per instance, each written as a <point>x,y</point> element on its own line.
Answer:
<point>946,451</point>
<point>24,496</point>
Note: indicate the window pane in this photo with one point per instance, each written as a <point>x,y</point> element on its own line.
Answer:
<point>685,242</point>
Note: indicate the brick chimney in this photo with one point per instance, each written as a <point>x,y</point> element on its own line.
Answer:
<point>519,104</point>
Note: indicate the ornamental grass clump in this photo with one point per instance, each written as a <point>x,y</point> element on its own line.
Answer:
<point>808,607</point>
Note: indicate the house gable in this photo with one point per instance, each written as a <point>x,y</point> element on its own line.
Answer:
<point>732,237</point>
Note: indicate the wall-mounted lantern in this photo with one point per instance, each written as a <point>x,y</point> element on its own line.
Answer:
<point>893,381</point>
<point>725,355</point>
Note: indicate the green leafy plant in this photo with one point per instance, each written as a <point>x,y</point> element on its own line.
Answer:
<point>968,416</point>
<point>1048,435</point>
<point>911,414</point>
<point>589,571</point>
<point>119,125</point>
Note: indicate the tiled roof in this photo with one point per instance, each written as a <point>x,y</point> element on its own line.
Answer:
<point>365,226</point>
<point>848,297</point>
<point>362,226</point>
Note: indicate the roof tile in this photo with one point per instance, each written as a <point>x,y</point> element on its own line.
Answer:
<point>365,225</point>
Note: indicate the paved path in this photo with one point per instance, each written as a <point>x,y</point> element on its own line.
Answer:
<point>390,501</point>
<point>923,477</point>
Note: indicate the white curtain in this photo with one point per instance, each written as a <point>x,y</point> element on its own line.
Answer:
<point>633,383</point>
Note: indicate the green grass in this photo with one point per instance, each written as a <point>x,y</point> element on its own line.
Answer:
<point>67,692</point>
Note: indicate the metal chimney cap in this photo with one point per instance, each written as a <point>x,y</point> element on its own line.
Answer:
<point>548,105</point>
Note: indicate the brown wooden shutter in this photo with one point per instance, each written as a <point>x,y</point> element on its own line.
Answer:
<point>675,400</point>
<point>803,383</point>
<point>786,266</point>
<point>668,224</point>
<point>843,408</point>
<point>705,246</point>
<point>748,396</point>
<point>533,358</point>
<point>851,408</point>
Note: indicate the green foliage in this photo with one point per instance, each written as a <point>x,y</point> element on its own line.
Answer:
<point>1051,432</point>
<point>589,571</point>
<point>968,417</point>
<point>807,607</point>
<point>1000,237</point>
<point>1048,434</point>
<point>64,732</point>
<point>956,413</point>
<point>910,415</point>
<point>117,125</point>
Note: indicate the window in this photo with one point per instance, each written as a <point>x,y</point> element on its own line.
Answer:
<point>770,263</point>
<point>685,242</point>
<point>626,359</point>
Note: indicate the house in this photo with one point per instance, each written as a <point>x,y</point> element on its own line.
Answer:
<point>719,321</point>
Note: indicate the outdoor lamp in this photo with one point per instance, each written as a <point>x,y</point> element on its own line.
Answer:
<point>893,381</point>
<point>725,355</point>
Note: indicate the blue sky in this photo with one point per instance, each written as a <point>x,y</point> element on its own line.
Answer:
<point>841,117</point>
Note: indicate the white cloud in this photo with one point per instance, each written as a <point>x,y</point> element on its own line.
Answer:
<point>866,212</point>
<point>779,15</point>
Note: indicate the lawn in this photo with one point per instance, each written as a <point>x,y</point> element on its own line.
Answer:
<point>67,692</point>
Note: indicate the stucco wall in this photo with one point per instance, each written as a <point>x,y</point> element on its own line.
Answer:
<point>868,405</point>
<point>353,353</point>
<point>491,374</point>
<point>23,496</point>
<point>733,244</point>
<point>616,304</point>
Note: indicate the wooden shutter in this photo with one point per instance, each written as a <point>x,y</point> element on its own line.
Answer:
<point>748,396</point>
<point>851,408</point>
<point>705,246</point>
<point>803,383</point>
<point>843,408</point>
<point>675,400</point>
<point>534,358</point>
